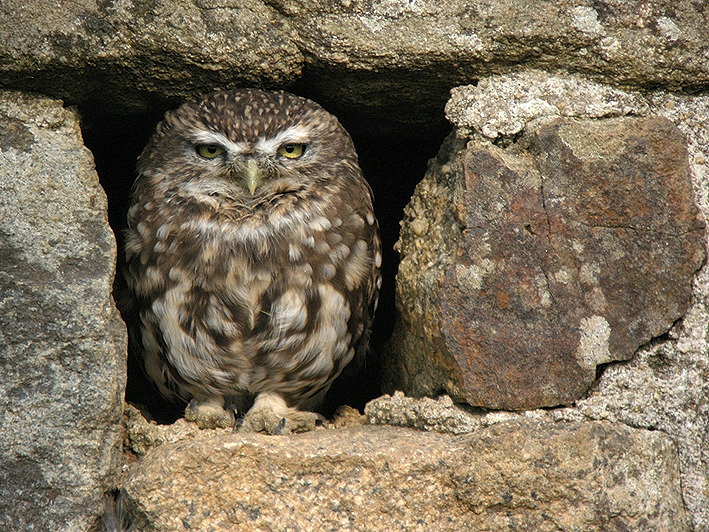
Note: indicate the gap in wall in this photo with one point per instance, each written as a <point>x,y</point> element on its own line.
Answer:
<point>392,161</point>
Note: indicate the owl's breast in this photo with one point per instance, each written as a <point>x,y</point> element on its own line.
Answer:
<point>288,299</point>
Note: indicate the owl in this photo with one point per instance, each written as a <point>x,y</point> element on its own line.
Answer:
<point>253,257</point>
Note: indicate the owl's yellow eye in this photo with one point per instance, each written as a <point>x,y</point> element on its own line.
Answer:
<point>209,151</point>
<point>292,151</point>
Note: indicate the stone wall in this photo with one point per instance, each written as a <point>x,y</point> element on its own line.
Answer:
<point>62,342</point>
<point>552,291</point>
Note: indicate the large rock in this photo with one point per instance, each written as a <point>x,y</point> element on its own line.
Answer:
<point>128,53</point>
<point>62,343</point>
<point>526,475</point>
<point>390,59</point>
<point>525,268</point>
<point>666,384</point>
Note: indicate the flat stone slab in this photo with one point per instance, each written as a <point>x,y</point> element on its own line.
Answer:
<point>525,475</point>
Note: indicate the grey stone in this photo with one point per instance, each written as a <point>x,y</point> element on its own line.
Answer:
<point>402,34</point>
<point>502,106</point>
<point>62,342</point>
<point>664,388</point>
<point>526,474</point>
<point>390,59</point>
<point>128,53</point>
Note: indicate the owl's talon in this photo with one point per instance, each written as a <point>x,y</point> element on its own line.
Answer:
<point>209,414</point>
<point>272,415</point>
<point>238,422</point>
<point>281,428</point>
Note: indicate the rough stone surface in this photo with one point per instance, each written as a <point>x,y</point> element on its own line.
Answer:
<point>524,474</point>
<point>623,41</point>
<point>373,56</point>
<point>486,107</point>
<point>665,388</point>
<point>128,54</point>
<point>666,385</point>
<point>391,61</point>
<point>576,245</point>
<point>142,435</point>
<point>62,343</point>
<point>439,415</point>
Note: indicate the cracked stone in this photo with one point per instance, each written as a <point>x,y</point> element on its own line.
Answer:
<point>568,249</point>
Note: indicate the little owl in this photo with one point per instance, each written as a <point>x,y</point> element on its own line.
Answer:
<point>253,257</point>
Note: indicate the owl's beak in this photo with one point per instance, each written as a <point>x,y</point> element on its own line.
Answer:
<point>252,176</point>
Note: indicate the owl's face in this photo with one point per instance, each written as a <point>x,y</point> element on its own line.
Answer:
<point>248,145</point>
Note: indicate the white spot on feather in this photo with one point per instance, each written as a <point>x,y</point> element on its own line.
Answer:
<point>378,259</point>
<point>358,265</point>
<point>288,312</point>
<point>294,252</point>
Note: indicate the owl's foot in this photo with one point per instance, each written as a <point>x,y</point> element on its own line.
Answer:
<point>270,414</point>
<point>209,414</point>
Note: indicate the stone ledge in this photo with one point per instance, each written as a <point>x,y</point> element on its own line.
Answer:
<point>526,474</point>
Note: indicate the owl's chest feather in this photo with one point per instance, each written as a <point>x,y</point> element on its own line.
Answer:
<point>240,267</point>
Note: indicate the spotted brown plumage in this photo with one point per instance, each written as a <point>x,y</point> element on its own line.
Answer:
<point>253,255</point>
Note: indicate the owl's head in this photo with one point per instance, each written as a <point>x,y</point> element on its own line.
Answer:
<point>248,143</point>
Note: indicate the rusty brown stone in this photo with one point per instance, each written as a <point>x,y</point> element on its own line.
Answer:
<point>574,247</point>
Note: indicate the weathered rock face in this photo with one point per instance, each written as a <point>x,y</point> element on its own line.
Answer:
<point>372,56</point>
<point>665,386</point>
<point>126,53</point>
<point>62,347</point>
<point>525,474</point>
<point>574,247</point>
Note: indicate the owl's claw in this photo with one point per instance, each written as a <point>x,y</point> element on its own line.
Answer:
<point>209,415</point>
<point>238,422</point>
<point>270,414</point>
<point>281,428</point>
<point>277,424</point>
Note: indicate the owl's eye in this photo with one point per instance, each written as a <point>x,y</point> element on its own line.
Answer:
<point>292,151</point>
<point>209,151</point>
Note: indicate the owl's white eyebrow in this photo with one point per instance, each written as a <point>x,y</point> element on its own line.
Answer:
<point>214,137</point>
<point>292,135</point>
